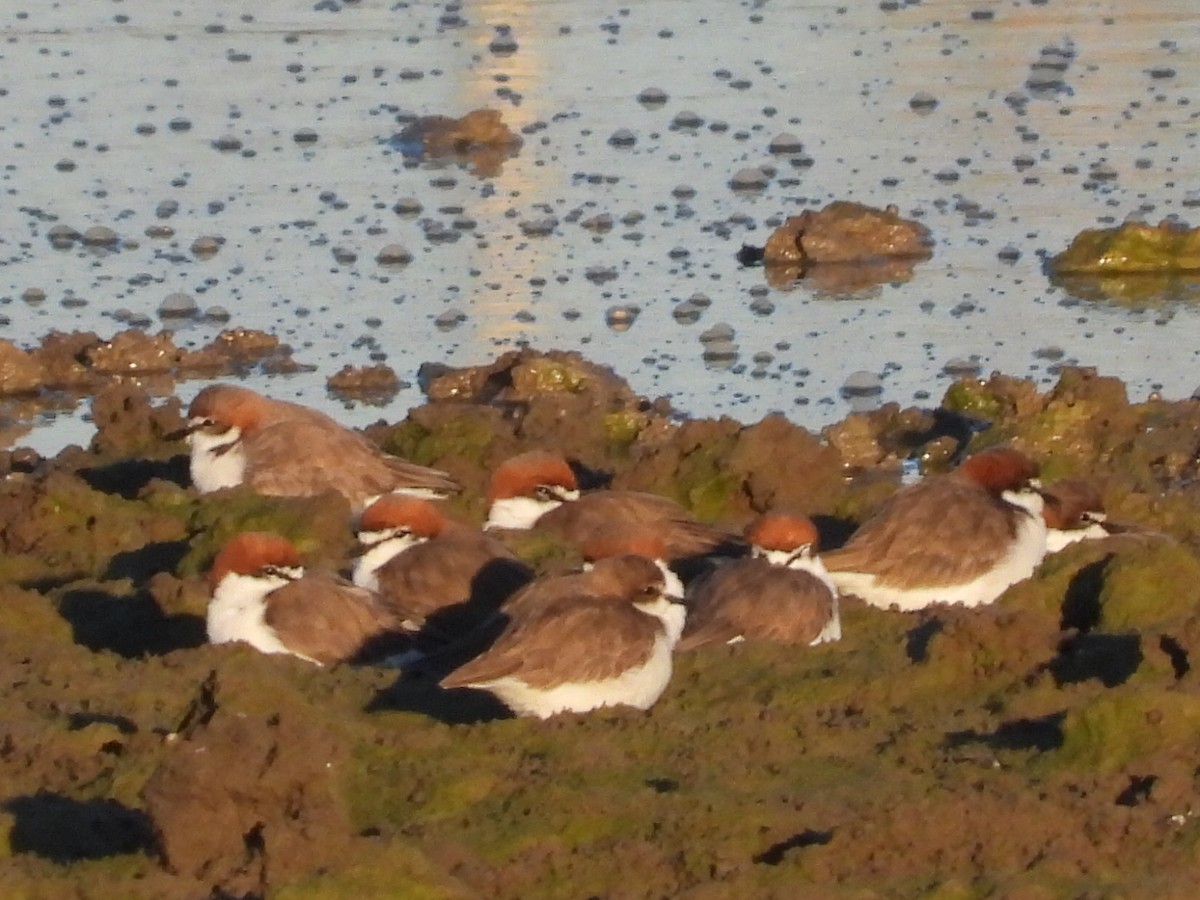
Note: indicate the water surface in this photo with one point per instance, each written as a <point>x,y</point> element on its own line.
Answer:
<point>1004,127</point>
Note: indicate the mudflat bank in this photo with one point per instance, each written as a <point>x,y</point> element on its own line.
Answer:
<point>1043,746</point>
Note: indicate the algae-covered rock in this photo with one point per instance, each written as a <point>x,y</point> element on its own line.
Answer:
<point>319,526</point>
<point>998,397</point>
<point>1131,247</point>
<point>554,399</point>
<point>129,425</point>
<point>134,352</point>
<point>809,479</point>
<point>63,527</point>
<point>885,435</point>
<point>691,467</point>
<point>1158,587</point>
<point>376,384</point>
<point>1134,264</point>
<point>1043,743</point>
<point>1118,729</point>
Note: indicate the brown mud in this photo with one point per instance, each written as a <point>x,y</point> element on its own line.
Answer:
<point>1045,746</point>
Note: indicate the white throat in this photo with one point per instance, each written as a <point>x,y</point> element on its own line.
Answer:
<point>237,612</point>
<point>218,460</point>
<point>672,615</point>
<point>1058,538</point>
<point>519,513</point>
<point>1027,499</point>
<point>384,547</point>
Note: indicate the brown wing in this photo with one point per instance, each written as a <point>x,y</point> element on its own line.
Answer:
<point>938,532</point>
<point>539,594</point>
<point>573,639</point>
<point>294,458</point>
<point>753,599</point>
<point>470,569</point>
<point>579,520</point>
<point>328,619</point>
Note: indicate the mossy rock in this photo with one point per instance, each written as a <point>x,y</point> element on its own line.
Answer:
<point>623,427</point>
<point>1149,589</point>
<point>319,526</point>
<point>1129,248</point>
<point>970,397</point>
<point>30,615</point>
<point>1127,725</point>
<point>376,869</point>
<point>458,432</point>
<point>67,529</point>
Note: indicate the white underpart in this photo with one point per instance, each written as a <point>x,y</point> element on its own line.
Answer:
<point>213,468</point>
<point>519,512</point>
<point>638,687</point>
<point>384,546</point>
<point>806,562</point>
<point>1057,538</point>
<point>238,609</point>
<point>1027,549</point>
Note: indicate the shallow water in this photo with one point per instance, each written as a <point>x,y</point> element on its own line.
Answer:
<point>1050,117</point>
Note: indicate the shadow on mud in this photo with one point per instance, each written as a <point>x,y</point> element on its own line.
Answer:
<point>775,854</point>
<point>131,627</point>
<point>459,706</point>
<point>64,830</point>
<point>1042,733</point>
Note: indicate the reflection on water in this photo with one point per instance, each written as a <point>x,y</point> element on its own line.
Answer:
<point>1004,128</point>
<point>1136,290</point>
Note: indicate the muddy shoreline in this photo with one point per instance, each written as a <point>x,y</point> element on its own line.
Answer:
<point>1040,747</point>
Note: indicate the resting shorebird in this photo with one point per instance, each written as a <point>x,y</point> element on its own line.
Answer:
<point>782,593</point>
<point>538,490</point>
<point>261,595</point>
<point>238,436</point>
<point>960,538</point>
<point>580,642</point>
<point>429,568</point>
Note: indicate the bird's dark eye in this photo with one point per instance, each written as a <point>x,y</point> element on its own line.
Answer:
<point>543,492</point>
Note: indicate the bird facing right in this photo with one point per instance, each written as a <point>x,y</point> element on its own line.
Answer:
<point>780,594</point>
<point>963,537</point>
<point>594,639</point>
